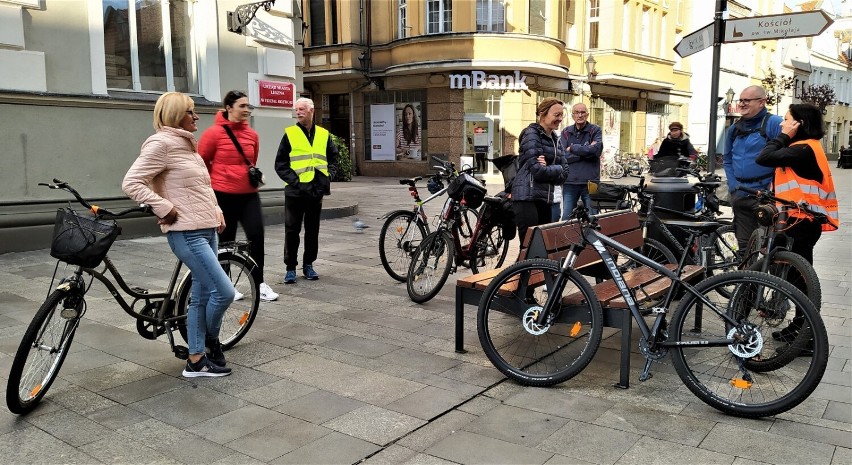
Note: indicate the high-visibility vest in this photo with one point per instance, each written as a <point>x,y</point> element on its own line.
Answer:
<point>305,158</point>
<point>820,196</point>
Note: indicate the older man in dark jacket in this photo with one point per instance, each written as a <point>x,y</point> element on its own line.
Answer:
<point>583,142</point>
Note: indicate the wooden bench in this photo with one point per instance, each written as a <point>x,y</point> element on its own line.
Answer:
<point>553,241</point>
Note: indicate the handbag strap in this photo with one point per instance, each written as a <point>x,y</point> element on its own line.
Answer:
<point>237,144</point>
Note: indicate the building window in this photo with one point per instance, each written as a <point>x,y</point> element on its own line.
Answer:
<point>439,16</point>
<point>316,20</point>
<point>594,22</point>
<point>149,46</point>
<point>490,15</point>
<point>538,17</point>
<point>403,19</point>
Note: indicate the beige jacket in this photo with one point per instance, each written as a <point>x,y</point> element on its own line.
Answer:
<point>170,173</point>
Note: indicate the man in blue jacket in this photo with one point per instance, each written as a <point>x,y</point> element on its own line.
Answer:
<point>583,142</point>
<point>745,139</point>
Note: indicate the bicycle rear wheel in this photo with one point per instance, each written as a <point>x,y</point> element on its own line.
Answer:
<point>737,378</point>
<point>240,315</point>
<point>430,266</point>
<point>399,238</point>
<point>490,250</point>
<point>532,354</point>
<point>42,350</point>
<point>794,269</point>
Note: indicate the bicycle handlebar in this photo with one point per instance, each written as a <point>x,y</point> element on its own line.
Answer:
<point>98,211</point>
<point>767,196</point>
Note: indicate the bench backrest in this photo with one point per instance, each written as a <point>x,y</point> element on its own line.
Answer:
<point>553,240</point>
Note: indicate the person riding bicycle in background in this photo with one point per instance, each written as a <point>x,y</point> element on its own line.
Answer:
<point>170,176</point>
<point>745,139</point>
<point>583,143</point>
<point>541,167</point>
<point>802,173</point>
<point>239,200</point>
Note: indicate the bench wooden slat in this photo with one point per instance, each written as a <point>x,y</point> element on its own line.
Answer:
<point>658,287</point>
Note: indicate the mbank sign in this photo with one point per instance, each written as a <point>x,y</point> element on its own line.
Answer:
<point>480,80</point>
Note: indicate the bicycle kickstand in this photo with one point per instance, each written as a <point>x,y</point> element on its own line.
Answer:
<point>646,374</point>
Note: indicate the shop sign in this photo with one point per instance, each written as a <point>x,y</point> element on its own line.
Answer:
<point>276,94</point>
<point>480,80</point>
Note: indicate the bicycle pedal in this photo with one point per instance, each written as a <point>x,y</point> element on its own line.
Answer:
<point>181,352</point>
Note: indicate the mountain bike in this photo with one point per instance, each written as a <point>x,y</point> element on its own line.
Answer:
<point>404,230</point>
<point>47,339</point>
<point>447,248</point>
<point>540,323</point>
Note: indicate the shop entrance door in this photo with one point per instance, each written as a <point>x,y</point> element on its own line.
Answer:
<point>479,142</point>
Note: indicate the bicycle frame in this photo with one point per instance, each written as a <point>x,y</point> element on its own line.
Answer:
<point>600,242</point>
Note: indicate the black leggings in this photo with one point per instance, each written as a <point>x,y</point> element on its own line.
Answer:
<point>244,209</point>
<point>529,213</point>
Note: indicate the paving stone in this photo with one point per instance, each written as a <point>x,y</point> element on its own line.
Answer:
<point>517,425</point>
<point>375,424</point>
<point>654,451</point>
<point>76,398</point>
<point>362,386</point>
<point>425,459</point>
<point>278,438</point>
<point>839,411</point>
<point>188,405</point>
<point>276,393</point>
<point>117,417</point>
<point>32,445</point>
<point>360,346</point>
<point>750,444</point>
<point>319,406</point>
<point>647,422</point>
<point>235,424</point>
<point>842,455</point>
<point>470,448</point>
<point>173,442</point>
<point>114,448</point>
<point>391,455</point>
<point>427,403</point>
<point>436,430</point>
<point>588,442</point>
<point>143,389</point>
<point>256,353</point>
<point>440,382</point>
<point>420,361</point>
<point>334,448</point>
<point>555,402</point>
<point>86,360</point>
<point>811,432</point>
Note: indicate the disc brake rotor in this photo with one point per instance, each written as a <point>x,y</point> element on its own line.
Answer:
<point>750,341</point>
<point>529,322</point>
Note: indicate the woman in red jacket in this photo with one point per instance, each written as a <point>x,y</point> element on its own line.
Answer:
<point>238,199</point>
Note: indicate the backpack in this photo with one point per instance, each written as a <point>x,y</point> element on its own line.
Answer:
<point>740,132</point>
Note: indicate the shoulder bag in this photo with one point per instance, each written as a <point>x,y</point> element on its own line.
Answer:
<point>256,177</point>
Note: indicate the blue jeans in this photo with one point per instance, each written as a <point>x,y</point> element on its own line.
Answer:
<point>570,194</point>
<point>212,290</point>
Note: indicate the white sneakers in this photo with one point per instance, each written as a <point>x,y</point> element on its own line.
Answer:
<point>267,294</point>
<point>238,295</point>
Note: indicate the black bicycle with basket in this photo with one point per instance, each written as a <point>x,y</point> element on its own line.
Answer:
<point>82,243</point>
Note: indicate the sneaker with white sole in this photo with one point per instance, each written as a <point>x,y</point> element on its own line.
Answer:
<point>267,294</point>
<point>238,295</point>
<point>204,368</point>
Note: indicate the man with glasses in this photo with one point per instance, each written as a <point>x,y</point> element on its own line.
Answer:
<point>745,139</point>
<point>583,142</point>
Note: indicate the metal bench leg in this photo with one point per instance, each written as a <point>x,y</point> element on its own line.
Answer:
<point>460,320</point>
<point>626,328</point>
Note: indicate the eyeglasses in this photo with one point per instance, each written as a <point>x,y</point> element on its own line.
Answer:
<point>746,101</point>
<point>581,112</point>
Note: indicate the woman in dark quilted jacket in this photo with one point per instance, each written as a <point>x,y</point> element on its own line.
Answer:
<point>541,166</point>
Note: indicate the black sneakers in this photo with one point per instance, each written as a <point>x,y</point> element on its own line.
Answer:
<point>204,368</point>
<point>213,349</point>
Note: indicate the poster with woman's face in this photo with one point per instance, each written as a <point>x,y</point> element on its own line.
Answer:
<point>408,124</point>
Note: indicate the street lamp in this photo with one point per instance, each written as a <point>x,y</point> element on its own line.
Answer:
<point>729,99</point>
<point>590,67</point>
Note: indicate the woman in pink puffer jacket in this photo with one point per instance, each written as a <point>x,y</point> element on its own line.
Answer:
<point>171,177</point>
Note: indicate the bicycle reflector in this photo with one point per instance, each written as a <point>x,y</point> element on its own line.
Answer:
<point>766,214</point>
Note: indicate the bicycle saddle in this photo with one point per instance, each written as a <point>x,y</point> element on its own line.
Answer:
<point>709,184</point>
<point>410,182</point>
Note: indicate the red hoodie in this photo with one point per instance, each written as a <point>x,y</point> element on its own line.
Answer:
<point>228,169</point>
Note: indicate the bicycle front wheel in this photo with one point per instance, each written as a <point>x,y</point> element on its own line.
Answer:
<point>490,250</point>
<point>737,378</point>
<point>539,354</point>
<point>399,238</point>
<point>41,353</point>
<point>616,171</point>
<point>430,266</point>
<point>793,268</point>
<point>240,315</point>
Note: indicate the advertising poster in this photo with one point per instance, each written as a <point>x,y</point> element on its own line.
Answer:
<point>382,132</point>
<point>408,145</point>
<point>653,129</point>
<point>611,131</point>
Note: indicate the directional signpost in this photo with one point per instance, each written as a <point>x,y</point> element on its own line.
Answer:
<point>695,42</point>
<point>786,26</point>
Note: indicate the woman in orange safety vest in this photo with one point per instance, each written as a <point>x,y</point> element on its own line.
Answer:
<point>802,174</point>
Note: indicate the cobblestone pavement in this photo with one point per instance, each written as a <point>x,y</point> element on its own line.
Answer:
<point>347,369</point>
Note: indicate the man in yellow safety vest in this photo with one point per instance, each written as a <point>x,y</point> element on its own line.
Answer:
<point>306,162</point>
